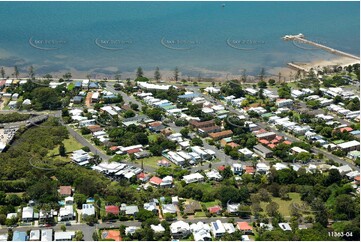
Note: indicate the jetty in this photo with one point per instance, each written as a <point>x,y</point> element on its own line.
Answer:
<point>301,39</point>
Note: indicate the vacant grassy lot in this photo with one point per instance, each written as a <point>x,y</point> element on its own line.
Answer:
<point>152,162</point>
<point>284,204</point>
<point>70,145</point>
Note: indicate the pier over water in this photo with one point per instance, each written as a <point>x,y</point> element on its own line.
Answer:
<point>301,39</point>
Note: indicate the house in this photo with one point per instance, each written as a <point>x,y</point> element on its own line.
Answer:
<point>267,136</point>
<point>27,214</point>
<point>201,231</point>
<point>112,209</point>
<point>285,226</point>
<point>88,210</point>
<point>268,227</point>
<point>246,152</point>
<point>196,124</point>
<point>344,169</point>
<point>65,190</point>
<point>296,150</point>
<point>237,169</point>
<point>129,209</point>
<point>262,168</point>
<point>284,103</point>
<point>192,207</point>
<point>47,235</point>
<point>163,163</point>
<point>262,151</point>
<point>232,208</point>
<point>143,177</point>
<point>214,175</point>
<point>195,177</point>
<point>206,130</point>
<point>64,236</point>
<point>19,236</point>
<point>131,230</point>
<point>113,235</point>
<point>175,200</point>
<point>157,228</point>
<point>155,181</point>
<point>221,135</point>
<point>229,227</point>
<point>179,229</point>
<point>66,213</point>
<point>77,99</point>
<point>217,229</point>
<point>151,206</point>
<point>169,208</point>
<point>34,235</point>
<point>244,227</point>
<point>349,146</point>
<point>215,209</point>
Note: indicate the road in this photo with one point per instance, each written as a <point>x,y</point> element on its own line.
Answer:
<point>126,98</point>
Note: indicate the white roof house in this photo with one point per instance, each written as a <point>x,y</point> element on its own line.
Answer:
<point>201,231</point>
<point>195,177</point>
<point>157,228</point>
<point>34,235</point>
<point>27,214</point>
<point>229,227</point>
<point>214,175</point>
<point>217,228</point>
<point>179,227</point>
<point>344,169</point>
<point>262,167</point>
<point>285,226</point>
<point>88,209</point>
<point>349,145</point>
<point>46,235</point>
<point>62,236</point>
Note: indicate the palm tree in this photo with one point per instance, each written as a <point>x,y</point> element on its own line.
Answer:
<point>157,75</point>
<point>2,72</point>
<point>176,74</point>
<point>140,72</point>
<point>16,72</point>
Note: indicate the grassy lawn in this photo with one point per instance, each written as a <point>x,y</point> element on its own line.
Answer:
<point>71,86</point>
<point>152,137</point>
<point>152,161</point>
<point>284,204</point>
<point>70,145</point>
<point>199,214</point>
<point>212,204</point>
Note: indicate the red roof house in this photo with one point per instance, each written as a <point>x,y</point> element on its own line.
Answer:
<point>132,151</point>
<point>155,180</point>
<point>65,191</point>
<point>245,227</point>
<point>112,209</point>
<point>215,209</point>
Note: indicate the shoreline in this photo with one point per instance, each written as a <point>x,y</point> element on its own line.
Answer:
<point>167,75</point>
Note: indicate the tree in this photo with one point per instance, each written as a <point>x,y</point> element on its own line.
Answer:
<point>244,211</point>
<point>129,114</point>
<point>262,74</point>
<point>157,75</point>
<point>89,219</point>
<point>272,209</point>
<point>117,76</point>
<point>197,141</point>
<point>139,72</point>
<point>2,72</point>
<point>63,227</point>
<point>271,82</point>
<point>16,71</point>
<point>184,132</point>
<point>62,150</point>
<point>67,76</point>
<point>321,214</point>
<point>134,106</point>
<point>262,84</point>
<point>144,214</point>
<point>31,72</point>
<point>264,195</point>
<point>176,74</point>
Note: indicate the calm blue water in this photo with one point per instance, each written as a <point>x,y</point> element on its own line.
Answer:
<point>190,35</point>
